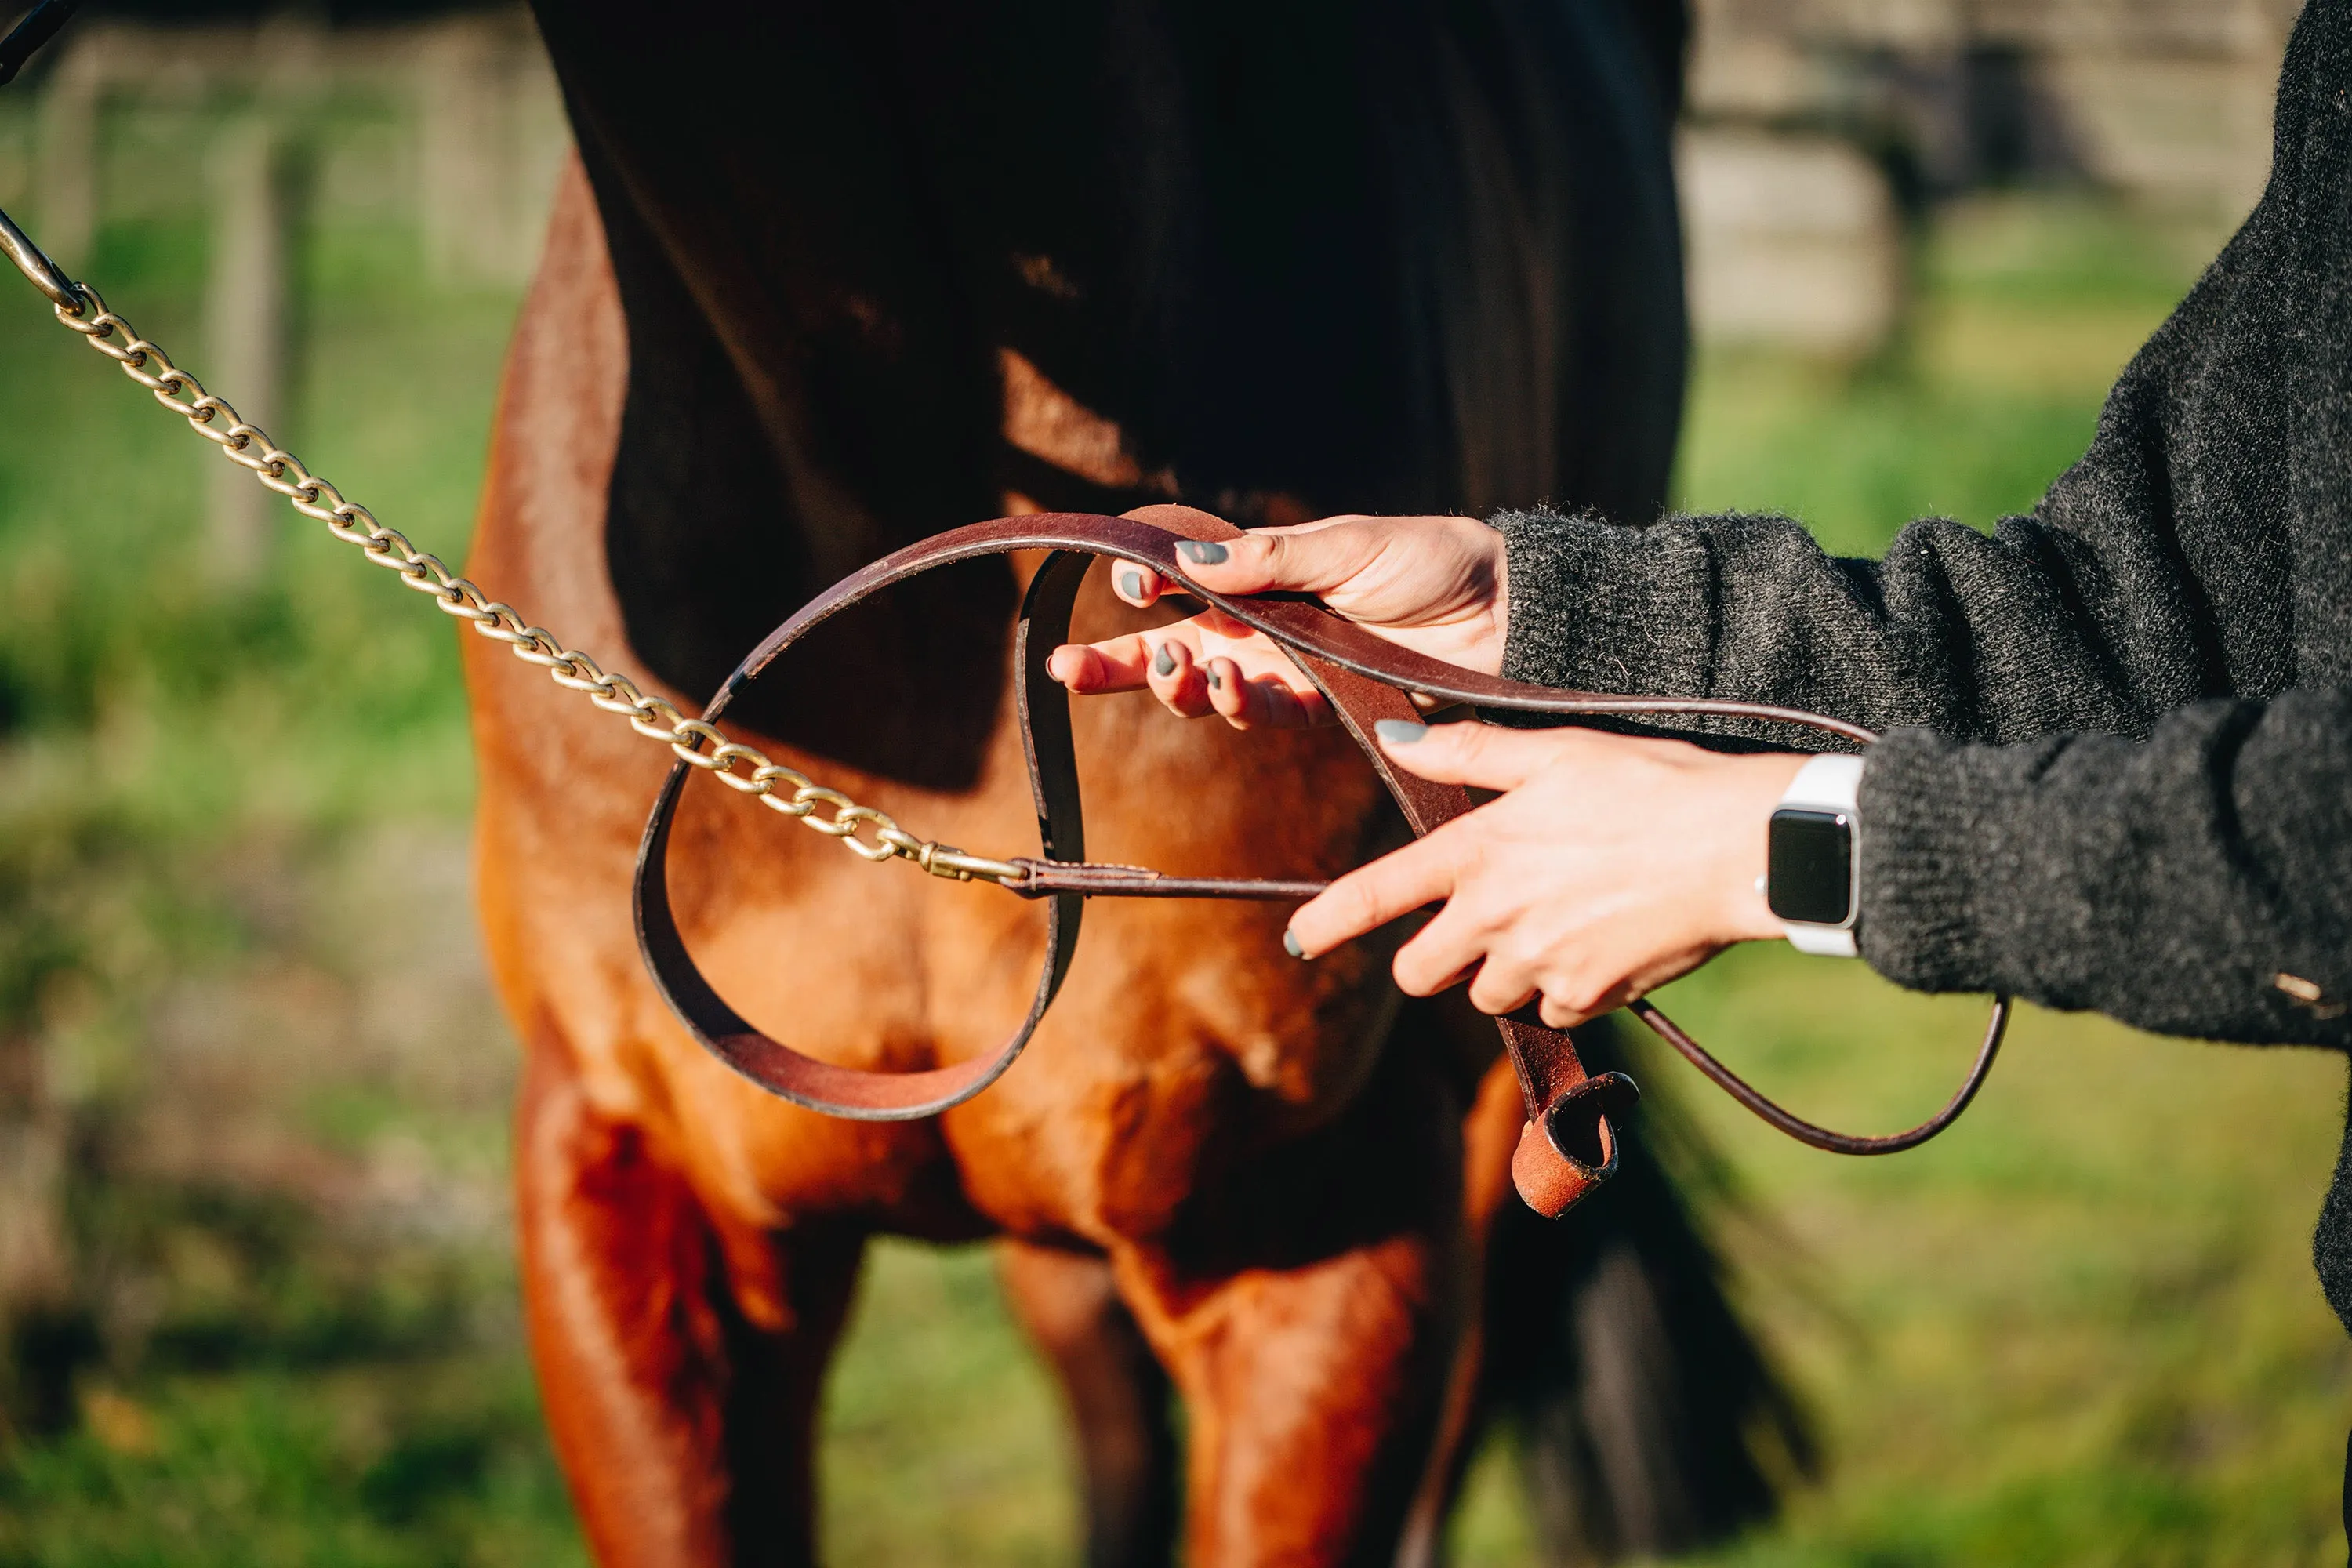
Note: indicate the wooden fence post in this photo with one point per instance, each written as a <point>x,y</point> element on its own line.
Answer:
<point>244,329</point>
<point>66,163</point>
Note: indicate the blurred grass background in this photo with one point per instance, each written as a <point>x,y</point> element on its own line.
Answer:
<point>253,1224</point>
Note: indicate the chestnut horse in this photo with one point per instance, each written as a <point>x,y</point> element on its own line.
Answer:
<point>827,277</point>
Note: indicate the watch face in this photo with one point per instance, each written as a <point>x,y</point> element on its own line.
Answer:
<point>1811,877</point>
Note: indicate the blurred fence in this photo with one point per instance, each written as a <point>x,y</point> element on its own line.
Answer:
<point>1817,131</point>
<point>469,129</point>
<point>1818,126</point>
<point>446,134</point>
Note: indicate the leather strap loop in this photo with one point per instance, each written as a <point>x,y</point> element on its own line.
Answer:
<point>1570,1143</point>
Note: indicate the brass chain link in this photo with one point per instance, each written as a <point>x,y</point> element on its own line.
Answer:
<point>741,768</point>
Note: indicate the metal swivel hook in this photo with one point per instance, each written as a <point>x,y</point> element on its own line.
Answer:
<point>44,273</point>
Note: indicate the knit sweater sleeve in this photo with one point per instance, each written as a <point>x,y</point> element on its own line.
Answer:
<point>2196,883</point>
<point>2122,734</point>
<point>2149,575</point>
<point>2198,549</point>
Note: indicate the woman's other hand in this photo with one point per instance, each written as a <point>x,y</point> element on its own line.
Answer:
<point>1434,584</point>
<point>1607,866</point>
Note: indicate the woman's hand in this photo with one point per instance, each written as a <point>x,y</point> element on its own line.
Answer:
<point>1608,865</point>
<point>1435,584</point>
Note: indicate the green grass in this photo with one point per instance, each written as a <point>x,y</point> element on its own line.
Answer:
<point>253,1089</point>
<point>2027,311</point>
<point>2080,1328</point>
<point>943,1441</point>
<point>257,1283</point>
<point>305,1466</point>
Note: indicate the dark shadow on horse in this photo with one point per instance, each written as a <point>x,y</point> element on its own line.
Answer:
<point>827,279</point>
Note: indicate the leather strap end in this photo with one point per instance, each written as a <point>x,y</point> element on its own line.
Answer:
<point>1550,1179</point>
<point>1549,1183</point>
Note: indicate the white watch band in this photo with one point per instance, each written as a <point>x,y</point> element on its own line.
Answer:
<point>1831,782</point>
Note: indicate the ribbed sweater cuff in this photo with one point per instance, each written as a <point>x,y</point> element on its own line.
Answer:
<point>1603,607</point>
<point>1941,831</point>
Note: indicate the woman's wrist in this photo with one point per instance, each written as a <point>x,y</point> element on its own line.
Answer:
<point>1499,609</point>
<point>1751,791</point>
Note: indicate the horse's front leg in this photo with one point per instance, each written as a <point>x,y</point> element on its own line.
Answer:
<point>1309,1306</point>
<point>1311,1393</point>
<point>681,1402</point>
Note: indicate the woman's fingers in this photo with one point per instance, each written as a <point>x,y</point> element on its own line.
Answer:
<point>1285,704</point>
<point>1213,665</point>
<point>1177,680</point>
<point>1488,756</point>
<point>1451,948</point>
<point>1431,584</point>
<point>1607,866</point>
<point>1281,700</point>
<point>1308,558</point>
<point>1138,585</point>
<point>1168,663</point>
<point>1423,872</point>
<point>1115,664</point>
<point>1563,1015</point>
<point>1502,987</point>
<point>1162,662</point>
<point>1272,558</point>
<point>1229,693</point>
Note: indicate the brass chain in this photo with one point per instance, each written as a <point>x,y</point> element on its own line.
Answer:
<point>741,768</point>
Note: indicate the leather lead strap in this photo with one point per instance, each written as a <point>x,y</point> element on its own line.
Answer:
<point>1569,1144</point>
<point>40,25</point>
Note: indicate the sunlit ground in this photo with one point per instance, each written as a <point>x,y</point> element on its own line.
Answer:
<point>253,1108</point>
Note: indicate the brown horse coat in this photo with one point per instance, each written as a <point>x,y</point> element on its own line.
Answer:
<point>828,278</point>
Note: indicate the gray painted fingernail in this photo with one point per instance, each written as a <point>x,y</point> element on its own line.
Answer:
<point>1216,681</point>
<point>1290,944</point>
<point>1164,661</point>
<point>1400,732</point>
<point>1200,551</point>
<point>1131,585</point>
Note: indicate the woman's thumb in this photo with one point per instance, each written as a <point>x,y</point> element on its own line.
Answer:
<point>1311,562</point>
<point>1487,756</point>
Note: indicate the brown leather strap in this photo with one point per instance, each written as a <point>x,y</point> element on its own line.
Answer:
<point>1569,1144</point>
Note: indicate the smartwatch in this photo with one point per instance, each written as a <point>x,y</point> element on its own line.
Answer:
<point>1813,877</point>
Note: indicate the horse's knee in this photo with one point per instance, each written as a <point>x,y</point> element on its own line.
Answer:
<point>1314,1393</point>
<point>683,1421</point>
<point>616,1258</point>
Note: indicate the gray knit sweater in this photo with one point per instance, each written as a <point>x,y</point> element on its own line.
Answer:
<point>2119,774</point>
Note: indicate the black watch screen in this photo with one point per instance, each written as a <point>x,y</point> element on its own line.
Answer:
<point>1810,867</point>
